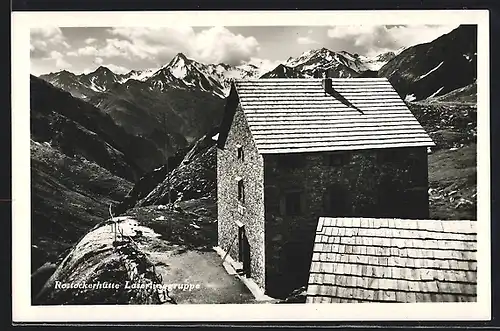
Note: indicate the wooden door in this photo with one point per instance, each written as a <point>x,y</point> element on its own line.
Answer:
<point>244,250</point>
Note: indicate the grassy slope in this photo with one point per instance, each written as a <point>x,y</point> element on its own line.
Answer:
<point>452,164</point>
<point>68,196</point>
<point>452,182</point>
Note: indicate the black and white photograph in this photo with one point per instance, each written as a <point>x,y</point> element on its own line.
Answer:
<point>303,164</point>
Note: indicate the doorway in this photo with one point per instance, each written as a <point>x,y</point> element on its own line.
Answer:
<point>244,250</point>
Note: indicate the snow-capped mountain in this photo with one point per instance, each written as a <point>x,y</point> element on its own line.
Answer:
<point>344,63</point>
<point>69,82</point>
<point>377,62</point>
<point>100,80</point>
<point>85,86</point>
<point>319,62</point>
<point>225,73</point>
<point>182,72</point>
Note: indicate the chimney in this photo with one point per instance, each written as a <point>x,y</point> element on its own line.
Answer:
<point>327,84</point>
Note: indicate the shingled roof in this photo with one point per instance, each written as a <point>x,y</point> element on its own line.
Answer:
<point>393,260</point>
<point>300,115</point>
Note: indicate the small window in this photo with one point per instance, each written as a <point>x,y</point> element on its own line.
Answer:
<point>292,203</point>
<point>240,153</point>
<point>241,191</point>
<point>337,159</point>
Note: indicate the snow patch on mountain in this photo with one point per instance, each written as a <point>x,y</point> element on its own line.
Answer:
<point>468,57</point>
<point>293,62</point>
<point>178,68</point>
<point>410,97</point>
<point>94,86</point>
<point>140,75</point>
<point>437,92</point>
<point>431,71</point>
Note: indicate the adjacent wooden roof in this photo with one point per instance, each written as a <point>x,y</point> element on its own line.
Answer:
<point>393,260</point>
<point>297,115</point>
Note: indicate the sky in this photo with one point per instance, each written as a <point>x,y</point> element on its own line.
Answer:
<point>83,49</point>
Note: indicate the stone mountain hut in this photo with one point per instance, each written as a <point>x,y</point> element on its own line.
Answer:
<point>293,150</point>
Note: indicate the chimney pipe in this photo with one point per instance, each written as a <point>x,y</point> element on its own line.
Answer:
<point>327,84</point>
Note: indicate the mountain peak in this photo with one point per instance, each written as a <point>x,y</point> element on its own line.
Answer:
<point>180,56</point>
<point>103,69</point>
<point>178,60</point>
<point>63,72</point>
<point>324,49</point>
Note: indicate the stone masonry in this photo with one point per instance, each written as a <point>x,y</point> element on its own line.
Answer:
<point>376,183</point>
<point>230,210</point>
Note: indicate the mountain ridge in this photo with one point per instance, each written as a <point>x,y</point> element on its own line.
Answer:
<point>182,72</point>
<point>435,68</point>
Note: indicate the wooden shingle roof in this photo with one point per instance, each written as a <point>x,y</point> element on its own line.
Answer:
<point>393,260</point>
<point>297,115</point>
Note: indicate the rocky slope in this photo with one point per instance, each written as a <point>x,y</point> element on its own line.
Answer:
<point>463,95</point>
<point>435,68</point>
<point>193,178</point>
<point>140,110</point>
<point>106,268</point>
<point>76,127</point>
